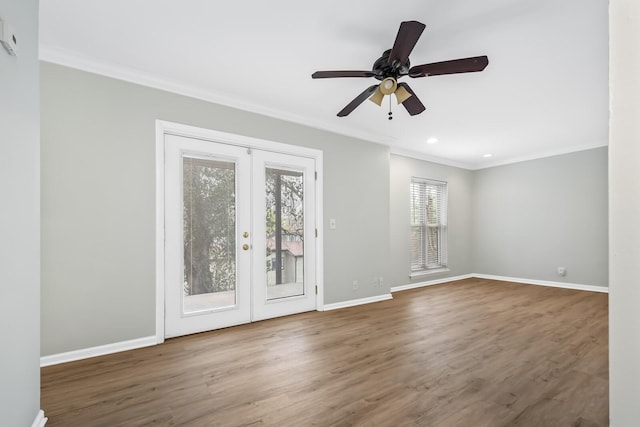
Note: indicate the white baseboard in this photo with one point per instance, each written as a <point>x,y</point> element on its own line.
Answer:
<point>604,289</point>
<point>354,302</point>
<point>100,350</point>
<point>565,285</point>
<point>430,283</point>
<point>40,420</point>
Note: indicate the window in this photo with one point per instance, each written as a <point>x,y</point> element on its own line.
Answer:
<point>428,225</point>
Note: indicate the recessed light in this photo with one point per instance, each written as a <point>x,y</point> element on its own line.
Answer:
<point>486,156</point>
<point>432,140</point>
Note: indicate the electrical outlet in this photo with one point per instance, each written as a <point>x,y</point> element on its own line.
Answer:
<point>562,271</point>
<point>355,285</point>
<point>381,281</point>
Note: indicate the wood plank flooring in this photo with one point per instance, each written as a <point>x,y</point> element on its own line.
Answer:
<point>468,353</point>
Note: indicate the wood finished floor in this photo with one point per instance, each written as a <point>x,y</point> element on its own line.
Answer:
<point>469,353</point>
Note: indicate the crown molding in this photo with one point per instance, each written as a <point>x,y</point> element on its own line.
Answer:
<point>74,60</point>
<point>542,155</point>
<point>427,158</point>
<point>77,61</point>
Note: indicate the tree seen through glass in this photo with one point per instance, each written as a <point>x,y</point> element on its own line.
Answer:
<point>284,232</point>
<point>209,226</point>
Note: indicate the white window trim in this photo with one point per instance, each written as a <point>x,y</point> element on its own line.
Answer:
<point>421,273</point>
<point>444,244</point>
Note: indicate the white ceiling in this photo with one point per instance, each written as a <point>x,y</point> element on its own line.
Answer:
<point>544,92</point>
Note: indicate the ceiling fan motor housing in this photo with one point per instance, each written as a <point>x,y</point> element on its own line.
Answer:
<point>383,69</point>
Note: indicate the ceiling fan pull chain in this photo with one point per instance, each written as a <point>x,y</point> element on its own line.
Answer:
<point>390,113</point>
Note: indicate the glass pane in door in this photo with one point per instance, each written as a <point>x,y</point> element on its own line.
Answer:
<point>209,213</point>
<point>284,233</point>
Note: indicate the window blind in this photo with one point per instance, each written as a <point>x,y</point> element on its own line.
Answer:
<point>428,224</point>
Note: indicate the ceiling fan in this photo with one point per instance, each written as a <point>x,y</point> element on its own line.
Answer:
<point>394,64</point>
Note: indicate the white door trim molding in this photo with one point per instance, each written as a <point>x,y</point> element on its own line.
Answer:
<point>160,131</point>
<point>163,128</point>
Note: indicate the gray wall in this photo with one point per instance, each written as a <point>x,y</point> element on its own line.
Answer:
<point>20,219</point>
<point>531,217</point>
<point>98,208</point>
<point>624,191</point>
<point>460,185</point>
<point>98,203</point>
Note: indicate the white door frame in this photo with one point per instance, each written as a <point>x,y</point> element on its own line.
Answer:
<point>163,128</point>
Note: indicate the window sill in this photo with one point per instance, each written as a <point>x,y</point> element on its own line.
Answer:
<point>428,272</point>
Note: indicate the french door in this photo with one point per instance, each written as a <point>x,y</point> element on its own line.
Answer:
<point>239,235</point>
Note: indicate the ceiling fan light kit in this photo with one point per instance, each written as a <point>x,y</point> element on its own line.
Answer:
<point>377,97</point>
<point>388,86</point>
<point>394,64</point>
<point>401,94</point>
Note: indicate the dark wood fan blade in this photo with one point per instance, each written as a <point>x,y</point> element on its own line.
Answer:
<point>465,65</point>
<point>332,74</point>
<point>407,37</point>
<point>357,101</point>
<point>412,103</point>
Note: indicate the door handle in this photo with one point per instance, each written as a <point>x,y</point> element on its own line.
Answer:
<point>245,247</point>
